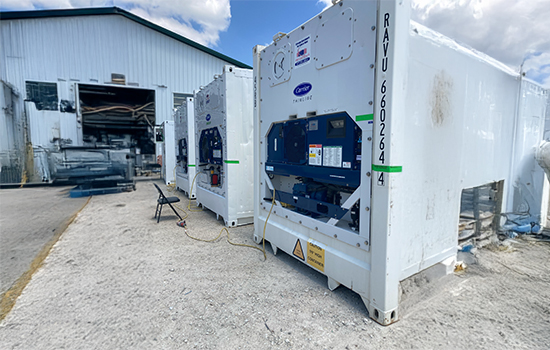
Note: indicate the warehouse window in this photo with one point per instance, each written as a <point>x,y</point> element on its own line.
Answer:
<point>179,98</point>
<point>44,95</point>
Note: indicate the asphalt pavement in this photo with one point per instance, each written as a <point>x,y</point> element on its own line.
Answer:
<point>29,219</point>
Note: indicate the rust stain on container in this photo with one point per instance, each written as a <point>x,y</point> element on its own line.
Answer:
<point>441,98</point>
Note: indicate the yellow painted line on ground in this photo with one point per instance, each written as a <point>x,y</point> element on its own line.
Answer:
<point>10,297</point>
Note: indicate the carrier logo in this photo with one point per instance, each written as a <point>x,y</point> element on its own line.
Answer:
<point>208,117</point>
<point>302,89</point>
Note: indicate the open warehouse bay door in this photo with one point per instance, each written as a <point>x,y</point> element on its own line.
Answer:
<point>117,135</point>
<point>119,117</point>
<point>117,126</point>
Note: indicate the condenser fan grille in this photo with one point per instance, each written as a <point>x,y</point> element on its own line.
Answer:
<point>295,143</point>
<point>204,149</point>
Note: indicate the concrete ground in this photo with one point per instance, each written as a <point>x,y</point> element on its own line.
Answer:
<point>29,219</point>
<point>118,280</point>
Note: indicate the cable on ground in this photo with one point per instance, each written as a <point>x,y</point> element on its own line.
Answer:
<point>229,238</point>
<point>183,224</point>
<point>193,199</point>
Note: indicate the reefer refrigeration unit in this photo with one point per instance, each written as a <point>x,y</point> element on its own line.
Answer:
<point>369,126</point>
<point>225,146</point>
<point>184,130</point>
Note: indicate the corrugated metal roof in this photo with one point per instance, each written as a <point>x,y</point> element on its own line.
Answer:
<point>117,11</point>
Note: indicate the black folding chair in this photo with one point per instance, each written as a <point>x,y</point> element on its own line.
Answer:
<point>162,200</point>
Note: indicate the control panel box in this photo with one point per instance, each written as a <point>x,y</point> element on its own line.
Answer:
<point>225,146</point>
<point>184,119</point>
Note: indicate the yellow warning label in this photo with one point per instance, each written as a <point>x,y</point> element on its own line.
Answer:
<point>316,256</point>
<point>298,252</point>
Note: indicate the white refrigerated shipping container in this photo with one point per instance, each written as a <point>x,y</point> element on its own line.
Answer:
<point>225,146</point>
<point>369,126</point>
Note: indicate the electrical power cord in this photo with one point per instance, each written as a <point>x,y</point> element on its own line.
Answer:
<point>239,244</point>
<point>183,224</point>
<point>172,186</point>
<point>193,199</point>
<point>90,110</point>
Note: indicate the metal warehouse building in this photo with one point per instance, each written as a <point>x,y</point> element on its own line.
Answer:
<point>97,78</point>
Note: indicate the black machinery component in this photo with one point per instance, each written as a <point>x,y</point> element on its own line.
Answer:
<point>182,154</point>
<point>324,153</point>
<point>211,147</point>
<point>294,141</point>
<point>325,148</point>
<point>354,214</point>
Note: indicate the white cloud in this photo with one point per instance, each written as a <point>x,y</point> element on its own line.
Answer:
<point>537,67</point>
<point>198,20</point>
<point>512,31</point>
<point>325,3</point>
<point>509,30</point>
<point>23,5</point>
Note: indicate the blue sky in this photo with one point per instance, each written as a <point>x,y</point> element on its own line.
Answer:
<point>255,22</point>
<point>515,32</point>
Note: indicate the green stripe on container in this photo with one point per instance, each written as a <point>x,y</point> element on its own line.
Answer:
<point>190,164</point>
<point>360,118</point>
<point>231,161</point>
<point>387,168</point>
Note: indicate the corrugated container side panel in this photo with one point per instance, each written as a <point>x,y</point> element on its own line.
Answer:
<point>526,175</point>
<point>489,118</point>
<point>459,133</point>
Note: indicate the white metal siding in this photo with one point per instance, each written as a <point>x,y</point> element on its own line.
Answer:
<point>88,49</point>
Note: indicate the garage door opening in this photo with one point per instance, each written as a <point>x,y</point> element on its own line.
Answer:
<point>117,133</point>
<point>118,117</point>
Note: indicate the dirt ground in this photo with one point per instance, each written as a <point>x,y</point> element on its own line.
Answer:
<point>118,280</point>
